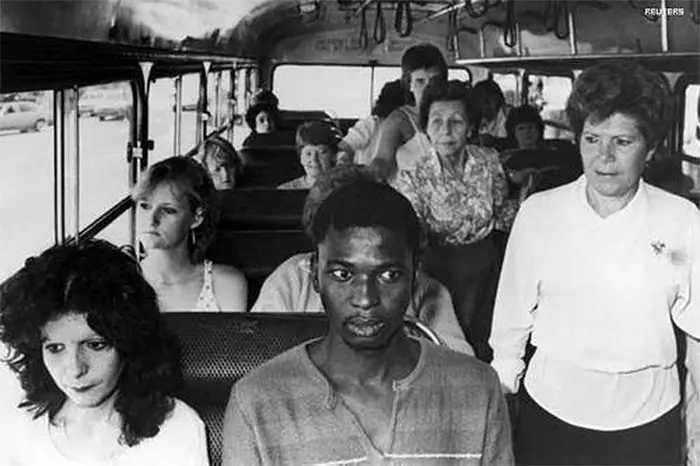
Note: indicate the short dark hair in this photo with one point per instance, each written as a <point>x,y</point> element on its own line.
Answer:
<point>367,204</point>
<point>194,180</point>
<point>622,87</point>
<point>452,91</point>
<point>391,97</point>
<point>97,280</point>
<point>252,113</point>
<point>524,114</point>
<point>421,57</point>
<point>330,181</point>
<point>487,89</point>
<point>316,133</point>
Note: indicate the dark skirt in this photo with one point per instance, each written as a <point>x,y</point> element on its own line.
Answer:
<point>470,273</point>
<point>543,439</point>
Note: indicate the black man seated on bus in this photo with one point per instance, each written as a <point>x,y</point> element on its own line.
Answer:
<point>366,392</point>
<point>401,141</point>
<point>317,147</point>
<point>290,289</point>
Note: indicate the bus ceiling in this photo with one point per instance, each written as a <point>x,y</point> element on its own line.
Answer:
<point>492,33</point>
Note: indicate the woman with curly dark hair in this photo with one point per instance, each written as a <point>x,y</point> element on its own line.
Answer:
<point>597,272</point>
<point>96,364</point>
<point>176,220</point>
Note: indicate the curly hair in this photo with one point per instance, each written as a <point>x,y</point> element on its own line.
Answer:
<point>622,87</point>
<point>220,149</point>
<point>329,182</point>
<point>524,114</point>
<point>489,89</point>
<point>272,111</point>
<point>193,179</point>
<point>316,133</point>
<point>451,91</point>
<point>391,97</point>
<point>367,204</point>
<point>97,280</point>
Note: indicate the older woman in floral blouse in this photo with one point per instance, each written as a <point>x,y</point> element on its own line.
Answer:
<point>459,191</point>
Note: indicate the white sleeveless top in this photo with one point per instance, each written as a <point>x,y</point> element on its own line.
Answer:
<point>206,302</point>
<point>412,150</point>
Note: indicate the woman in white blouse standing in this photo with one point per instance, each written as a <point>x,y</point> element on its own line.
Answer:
<point>596,272</point>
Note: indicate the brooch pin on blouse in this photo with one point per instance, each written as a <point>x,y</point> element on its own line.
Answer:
<point>676,257</point>
<point>657,247</point>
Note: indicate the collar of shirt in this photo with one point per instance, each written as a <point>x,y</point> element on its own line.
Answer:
<point>622,219</point>
<point>331,398</point>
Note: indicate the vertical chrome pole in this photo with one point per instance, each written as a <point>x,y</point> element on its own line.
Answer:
<point>177,143</point>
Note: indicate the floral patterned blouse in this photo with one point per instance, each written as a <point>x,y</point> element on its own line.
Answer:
<point>455,208</point>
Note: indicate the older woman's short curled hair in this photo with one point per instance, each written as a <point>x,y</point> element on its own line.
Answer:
<point>622,87</point>
<point>316,133</point>
<point>192,180</point>
<point>97,280</point>
<point>329,182</point>
<point>451,91</point>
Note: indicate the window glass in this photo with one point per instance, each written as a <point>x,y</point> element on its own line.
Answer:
<point>549,94</point>
<point>509,84</point>
<point>104,133</point>
<point>219,88</point>
<point>26,178</point>
<point>691,123</point>
<point>161,119</point>
<point>691,137</point>
<point>316,87</point>
<point>241,129</point>
<point>190,97</point>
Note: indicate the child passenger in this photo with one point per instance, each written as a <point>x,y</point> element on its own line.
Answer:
<point>317,146</point>
<point>98,368</point>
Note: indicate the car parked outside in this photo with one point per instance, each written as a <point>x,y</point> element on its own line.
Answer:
<point>23,116</point>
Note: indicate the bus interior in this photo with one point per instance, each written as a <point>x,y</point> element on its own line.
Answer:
<point>126,83</point>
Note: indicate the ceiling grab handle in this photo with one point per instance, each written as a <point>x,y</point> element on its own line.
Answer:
<point>694,8</point>
<point>471,11</point>
<point>379,32</point>
<point>510,38</point>
<point>364,35</point>
<point>572,31</point>
<point>403,19</point>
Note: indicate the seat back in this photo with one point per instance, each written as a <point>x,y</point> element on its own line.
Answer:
<point>269,166</point>
<point>220,348</point>
<point>261,209</point>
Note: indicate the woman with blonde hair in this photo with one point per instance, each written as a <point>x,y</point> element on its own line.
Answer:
<point>177,219</point>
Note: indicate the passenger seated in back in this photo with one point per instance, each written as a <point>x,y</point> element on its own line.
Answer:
<point>366,393</point>
<point>317,146</point>
<point>176,219</point>
<point>221,161</point>
<point>97,365</point>
<point>264,120</point>
<point>290,288</point>
<point>493,111</point>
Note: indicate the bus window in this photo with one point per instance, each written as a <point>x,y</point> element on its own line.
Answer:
<point>26,178</point>
<point>548,94</point>
<point>104,135</point>
<point>161,117</point>
<point>509,84</point>
<point>691,121</point>
<point>293,86</point>
<point>321,87</point>
<point>384,74</point>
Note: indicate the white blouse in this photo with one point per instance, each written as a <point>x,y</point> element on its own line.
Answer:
<point>599,296</point>
<point>181,441</point>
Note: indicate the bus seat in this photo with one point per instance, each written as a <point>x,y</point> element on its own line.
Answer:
<point>257,253</point>
<point>269,166</point>
<point>555,167</point>
<point>291,119</point>
<point>217,349</point>
<point>261,209</point>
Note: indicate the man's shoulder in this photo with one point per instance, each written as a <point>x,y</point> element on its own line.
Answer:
<point>281,375</point>
<point>459,368</point>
